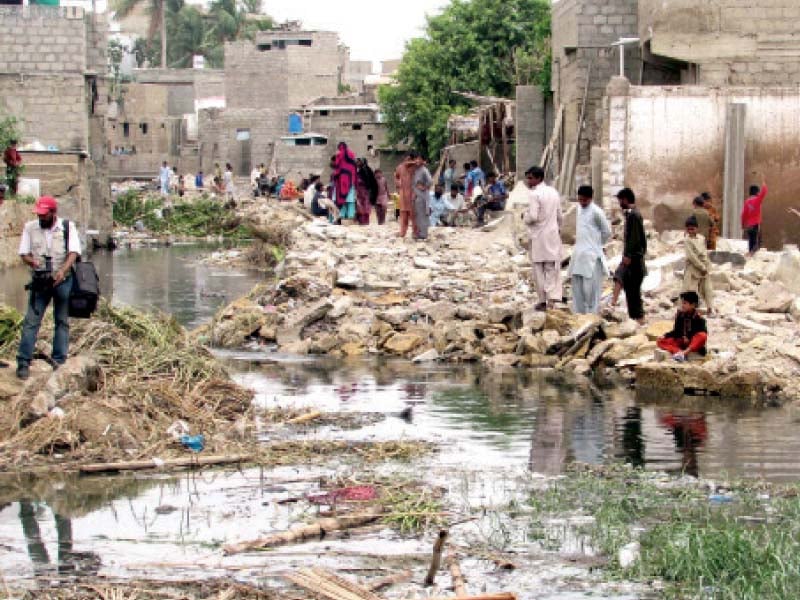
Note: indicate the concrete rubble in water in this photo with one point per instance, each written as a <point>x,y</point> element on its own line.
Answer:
<point>464,295</point>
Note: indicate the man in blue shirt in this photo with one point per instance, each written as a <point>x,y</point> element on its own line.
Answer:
<point>476,175</point>
<point>495,198</point>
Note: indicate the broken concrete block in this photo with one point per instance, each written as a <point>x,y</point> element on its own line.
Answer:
<point>429,356</point>
<point>340,307</point>
<point>772,297</point>
<point>658,329</point>
<point>788,270</point>
<point>396,316</point>
<point>421,262</point>
<point>296,322</point>
<point>440,311</point>
<point>402,343</point>
<point>77,374</point>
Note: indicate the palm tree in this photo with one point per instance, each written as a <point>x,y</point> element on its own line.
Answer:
<point>157,9</point>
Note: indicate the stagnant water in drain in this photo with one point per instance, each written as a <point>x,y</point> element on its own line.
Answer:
<point>498,433</point>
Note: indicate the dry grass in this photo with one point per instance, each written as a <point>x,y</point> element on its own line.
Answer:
<point>151,376</point>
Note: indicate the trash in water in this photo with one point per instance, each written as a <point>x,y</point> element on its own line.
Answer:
<point>360,493</point>
<point>720,498</point>
<point>195,443</point>
<point>178,430</point>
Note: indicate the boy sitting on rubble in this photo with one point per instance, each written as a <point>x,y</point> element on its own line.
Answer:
<point>689,334</point>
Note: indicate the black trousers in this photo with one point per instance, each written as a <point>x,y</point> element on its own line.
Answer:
<point>491,205</point>
<point>753,238</point>
<point>632,284</point>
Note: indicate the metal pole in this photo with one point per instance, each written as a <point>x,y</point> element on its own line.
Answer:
<point>622,60</point>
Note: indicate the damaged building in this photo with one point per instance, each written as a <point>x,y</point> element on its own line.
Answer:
<point>677,97</point>
<point>154,119</point>
<point>53,80</point>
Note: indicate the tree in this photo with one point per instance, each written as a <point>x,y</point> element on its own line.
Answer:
<point>482,46</point>
<point>157,9</point>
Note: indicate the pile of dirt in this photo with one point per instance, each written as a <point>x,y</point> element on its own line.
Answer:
<point>132,377</point>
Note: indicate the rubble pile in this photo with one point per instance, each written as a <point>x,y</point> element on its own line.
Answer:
<point>464,295</point>
<point>133,385</point>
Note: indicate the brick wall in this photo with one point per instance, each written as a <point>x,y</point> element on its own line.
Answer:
<point>42,39</point>
<point>732,42</point>
<point>530,127</point>
<point>582,32</point>
<point>51,108</point>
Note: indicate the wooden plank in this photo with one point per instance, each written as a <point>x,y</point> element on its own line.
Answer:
<point>142,465</point>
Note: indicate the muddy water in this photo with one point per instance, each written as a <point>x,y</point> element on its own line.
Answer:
<point>500,436</point>
<point>168,279</point>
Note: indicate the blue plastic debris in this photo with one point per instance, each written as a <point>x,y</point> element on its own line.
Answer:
<point>195,443</point>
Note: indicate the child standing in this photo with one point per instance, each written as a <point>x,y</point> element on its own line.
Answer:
<point>697,274</point>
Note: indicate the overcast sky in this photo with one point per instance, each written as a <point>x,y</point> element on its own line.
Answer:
<point>373,30</point>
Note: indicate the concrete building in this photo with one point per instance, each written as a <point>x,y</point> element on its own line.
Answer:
<point>155,118</point>
<point>708,102</point>
<point>328,121</point>
<point>52,78</point>
<point>265,81</point>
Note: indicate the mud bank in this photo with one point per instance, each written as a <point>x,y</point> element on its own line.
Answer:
<point>465,295</point>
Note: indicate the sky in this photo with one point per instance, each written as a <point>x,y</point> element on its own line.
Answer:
<point>374,31</point>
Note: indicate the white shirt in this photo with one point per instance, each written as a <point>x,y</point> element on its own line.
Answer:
<point>591,233</point>
<point>49,242</point>
<point>456,203</point>
<point>308,196</point>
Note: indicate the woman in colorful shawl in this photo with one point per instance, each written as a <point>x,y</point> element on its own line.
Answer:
<point>382,203</point>
<point>345,176</point>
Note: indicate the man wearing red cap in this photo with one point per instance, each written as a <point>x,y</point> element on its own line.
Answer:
<point>44,249</point>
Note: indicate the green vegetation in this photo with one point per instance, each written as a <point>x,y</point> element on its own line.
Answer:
<point>199,218</point>
<point>193,30</point>
<point>748,548</point>
<point>481,46</point>
<point>9,130</point>
<point>10,329</point>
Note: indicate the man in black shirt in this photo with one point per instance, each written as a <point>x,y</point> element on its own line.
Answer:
<point>635,248</point>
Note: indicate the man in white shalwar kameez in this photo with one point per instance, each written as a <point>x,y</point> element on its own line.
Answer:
<point>588,266</point>
<point>543,219</point>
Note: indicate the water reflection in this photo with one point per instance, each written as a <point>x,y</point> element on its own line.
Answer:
<point>168,279</point>
<point>521,418</point>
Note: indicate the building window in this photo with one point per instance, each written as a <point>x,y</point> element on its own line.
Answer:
<point>307,43</point>
<point>357,127</point>
<point>302,142</point>
<point>143,127</point>
<point>370,148</point>
<point>126,130</point>
<point>264,47</point>
<point>369,136</point>
<point>324,113</point>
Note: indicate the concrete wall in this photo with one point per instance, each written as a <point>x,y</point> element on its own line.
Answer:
<point>669,165</point>
<point>732,42</point>
<point>582,32</point>
<point>531,127</point>
<point>52,78</point>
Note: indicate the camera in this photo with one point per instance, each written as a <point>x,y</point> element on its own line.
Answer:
<point>42,279</point>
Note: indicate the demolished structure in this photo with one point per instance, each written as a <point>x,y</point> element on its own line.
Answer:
<point>53,80</point>
<point>671,99</point>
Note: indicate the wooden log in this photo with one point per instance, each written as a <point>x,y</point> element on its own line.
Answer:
<point>459,585</point>
<point>177,463</point>
<point>304,418</point>
<point>436,558</point>
<point>302,532</point>
<point>389,580</point>
<point>495,596</point>
<point>329,585</point>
